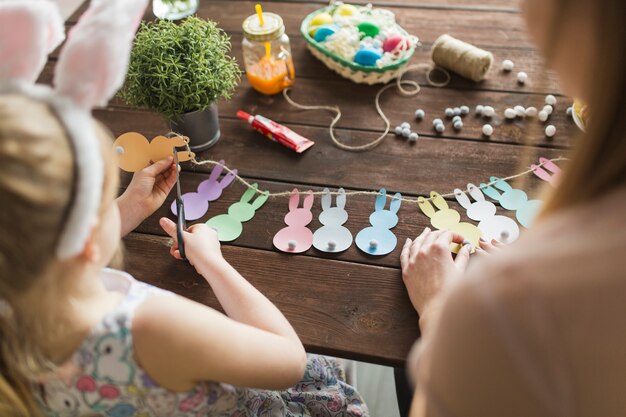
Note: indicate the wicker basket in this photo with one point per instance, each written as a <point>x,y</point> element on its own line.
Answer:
<point>351,70</point>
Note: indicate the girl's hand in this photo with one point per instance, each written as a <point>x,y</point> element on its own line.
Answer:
<point>202,247</point>
<point>146,192</point>
<point>427,265</point>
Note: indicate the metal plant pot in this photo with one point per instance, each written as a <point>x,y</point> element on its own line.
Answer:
<point>202,127</point>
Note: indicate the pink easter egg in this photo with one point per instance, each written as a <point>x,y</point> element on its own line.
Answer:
<point>395,43</point>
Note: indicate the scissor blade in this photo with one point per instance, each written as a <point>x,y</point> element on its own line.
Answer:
<point>178,193</point>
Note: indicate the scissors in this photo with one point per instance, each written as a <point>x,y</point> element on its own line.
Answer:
<point>181,225</point>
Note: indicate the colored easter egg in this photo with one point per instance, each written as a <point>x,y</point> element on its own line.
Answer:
<point>368,29</point>
<point>325,31</point>
<point>395,43</point>
<point>346,10</point>
<point>367,57</point>
<point>319,20</point>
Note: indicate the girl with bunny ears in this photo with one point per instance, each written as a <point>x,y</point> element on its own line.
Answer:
<point>77,339</point>
<point>537,328</point>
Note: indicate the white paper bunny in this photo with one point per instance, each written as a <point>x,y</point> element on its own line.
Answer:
<point>332,236</point>
<point>90,69</point>
<point>492,226</point>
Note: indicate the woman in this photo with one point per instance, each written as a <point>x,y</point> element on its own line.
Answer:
<point>538,328</point>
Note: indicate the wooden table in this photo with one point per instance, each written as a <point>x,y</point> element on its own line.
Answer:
<point>352,305</point>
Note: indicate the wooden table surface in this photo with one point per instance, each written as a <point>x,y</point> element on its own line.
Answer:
<point>352,305</point>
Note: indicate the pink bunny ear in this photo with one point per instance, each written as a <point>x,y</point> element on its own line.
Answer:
<point>294,200</point>
<point>308,201</point>
<point>93,63</point>
<point>29,31</point>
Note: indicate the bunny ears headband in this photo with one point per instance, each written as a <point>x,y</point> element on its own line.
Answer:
<point>90,69</point>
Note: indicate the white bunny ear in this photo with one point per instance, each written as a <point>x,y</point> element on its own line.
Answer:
<point>29,31</point>
<point>475,192</point>
<point>93,63</point>
<point>341,199</point>
<point>326,199</point>
<point>463,200</point>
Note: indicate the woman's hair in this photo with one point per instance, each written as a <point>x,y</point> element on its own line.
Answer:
<point>37,181</point>
<point>597,165</point>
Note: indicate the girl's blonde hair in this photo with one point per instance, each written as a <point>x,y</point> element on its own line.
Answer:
<point>37,180</point>
<point>598,163</point>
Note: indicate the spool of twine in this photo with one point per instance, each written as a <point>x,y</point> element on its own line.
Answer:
<point>461,57</point>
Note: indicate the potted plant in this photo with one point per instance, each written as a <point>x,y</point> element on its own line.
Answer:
<point>180,71</point>
<point>174,9</point>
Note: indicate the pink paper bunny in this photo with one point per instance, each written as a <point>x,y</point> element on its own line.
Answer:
<point>197,204</point>
<point>550,174</point>
<point>296,237</point>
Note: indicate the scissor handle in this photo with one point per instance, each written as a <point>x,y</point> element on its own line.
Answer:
<point>180,227</point>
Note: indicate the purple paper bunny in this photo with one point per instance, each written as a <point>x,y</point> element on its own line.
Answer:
<point>197,204</point>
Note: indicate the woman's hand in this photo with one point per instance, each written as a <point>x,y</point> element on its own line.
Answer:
<point>146,192</point>
<point>427,265</point>
<point>202,247</point>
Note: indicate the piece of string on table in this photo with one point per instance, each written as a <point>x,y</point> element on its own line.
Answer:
<point>400,84</point>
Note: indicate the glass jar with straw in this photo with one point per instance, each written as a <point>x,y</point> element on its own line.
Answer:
<point>267,53</point>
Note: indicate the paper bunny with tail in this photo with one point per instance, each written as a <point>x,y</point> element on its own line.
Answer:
<point>491,226</point>
<point>296,237</point>
<point>513,199</point>
<point>90,69</point>
<point>379,239</point>
<point>332,236</point>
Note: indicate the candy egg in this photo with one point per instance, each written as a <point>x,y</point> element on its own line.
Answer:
<point>319,20</point>
<point>367,57</point>
<point>368,28</point>
<point>325,31</point>
<point>395,43</point>
<point>346,10</point>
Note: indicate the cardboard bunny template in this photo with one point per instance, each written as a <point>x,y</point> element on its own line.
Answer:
<point>548,171</point>
<point>491,225</point>
<point>135,152</point>
<point>333,236</point>
<point>446,218</point>
<point>379,239</point>
<point>197,204</point>
<point>513,199</point>
<point>229,226</point>
<point>296,237</point>
<point>90,69</point>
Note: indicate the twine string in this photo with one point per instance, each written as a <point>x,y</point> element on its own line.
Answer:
<point>408,200</point>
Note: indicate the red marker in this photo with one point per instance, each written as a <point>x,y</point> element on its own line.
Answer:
<point>277,132</point>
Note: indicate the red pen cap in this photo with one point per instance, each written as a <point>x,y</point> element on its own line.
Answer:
<point>243,115</point>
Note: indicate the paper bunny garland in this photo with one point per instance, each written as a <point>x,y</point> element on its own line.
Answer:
<point>296,237</point>
<point>491,226</point>
<point>513,199</point>
<point>229,226</point>
<point>379,239</point>
<point>90,69</point>
<point>550,174</point>
<point>197,204</point>
<point>448,219</point>
<point>332,236</point>
<point>134,152</point>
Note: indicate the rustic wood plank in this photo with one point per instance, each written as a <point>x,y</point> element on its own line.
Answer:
<point>485,28</point>
<point>477,5</point>
<point>360,122</point>
<point>342,309</point>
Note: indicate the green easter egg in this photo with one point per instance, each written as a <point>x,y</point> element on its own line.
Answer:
<point>369,29</point>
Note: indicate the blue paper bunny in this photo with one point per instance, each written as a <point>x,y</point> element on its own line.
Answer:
<point>513,199</point>
<point>379,239</point>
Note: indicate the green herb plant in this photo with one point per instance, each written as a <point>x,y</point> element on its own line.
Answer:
<point>180,68</point>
